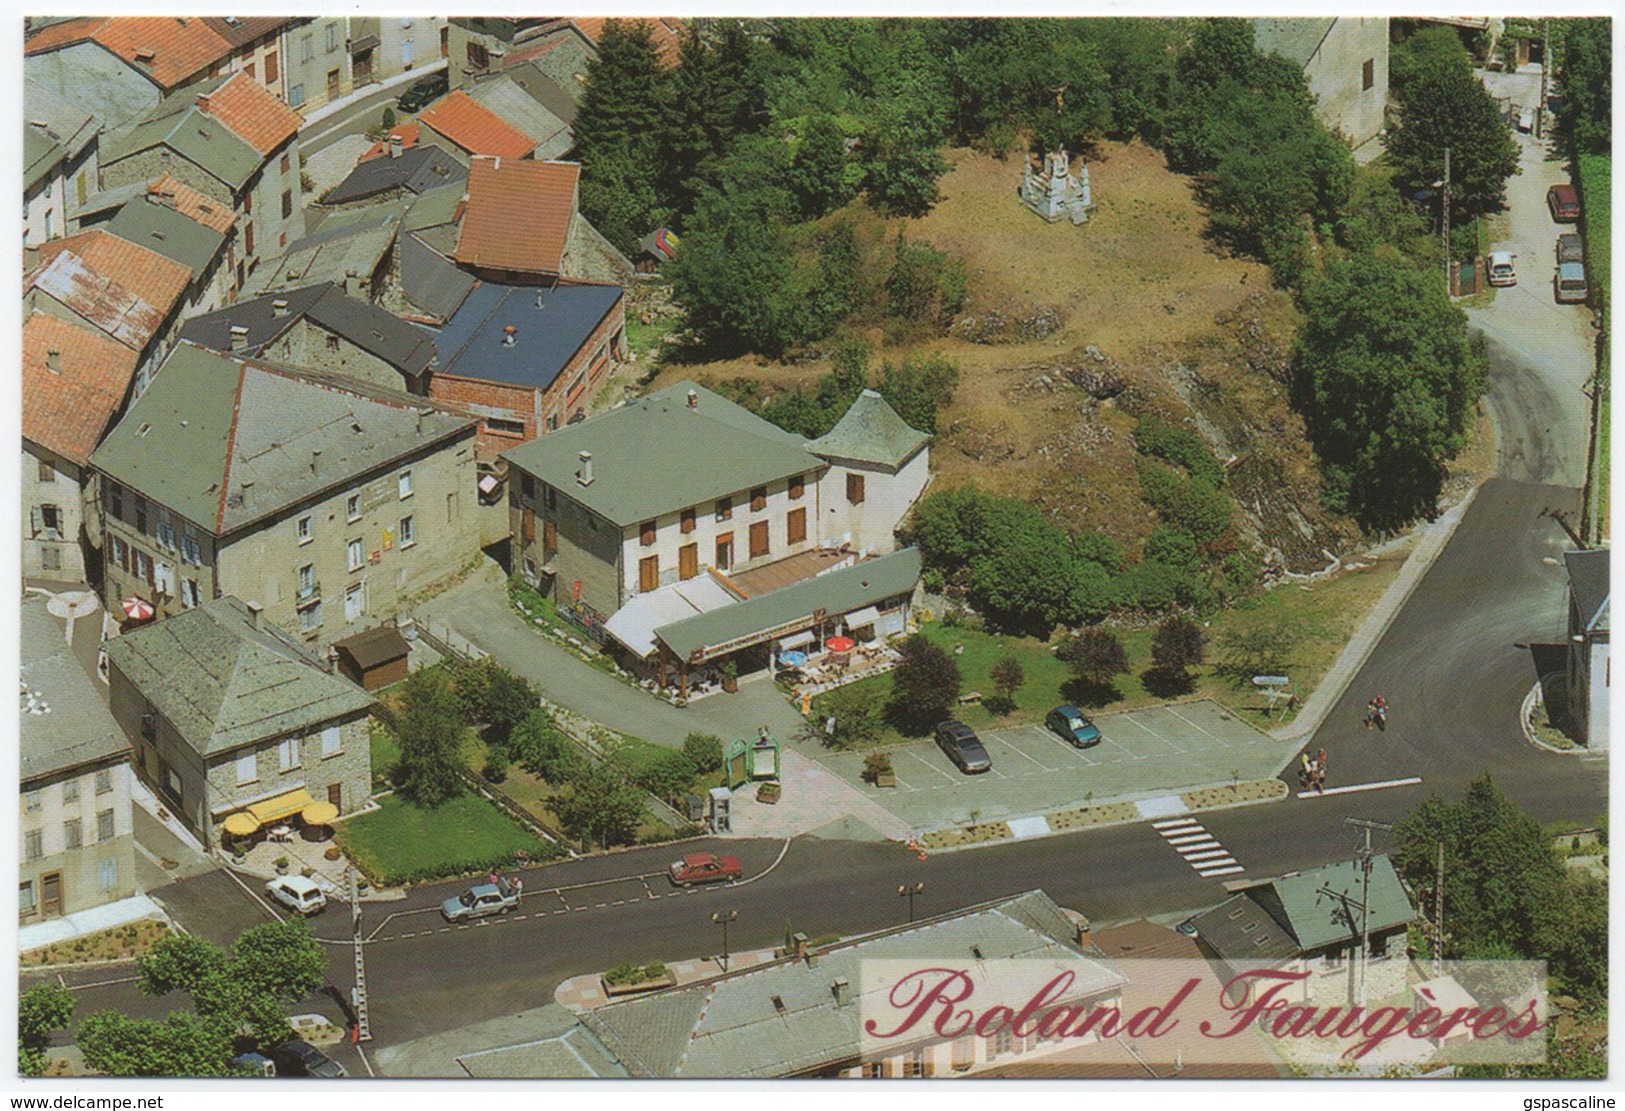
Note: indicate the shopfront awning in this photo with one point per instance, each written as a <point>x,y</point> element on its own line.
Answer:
<point>281,806</point>
<point>863,618</point>
<point>796,640</point>
<point>240,824</point>
<point>319,813</point>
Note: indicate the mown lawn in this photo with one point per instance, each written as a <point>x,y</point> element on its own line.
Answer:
<point>404,843</point>
<point>1320,619</point>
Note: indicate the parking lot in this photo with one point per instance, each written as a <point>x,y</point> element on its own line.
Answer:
<point>1142,752</point>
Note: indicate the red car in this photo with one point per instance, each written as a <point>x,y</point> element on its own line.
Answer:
<point>1564,203</point>
<point>705,868</point>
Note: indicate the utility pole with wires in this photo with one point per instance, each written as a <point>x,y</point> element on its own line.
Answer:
<point>1363,856</point>
<point>1446,221</point>
<point>358,994</point>
<point>1438,917</point>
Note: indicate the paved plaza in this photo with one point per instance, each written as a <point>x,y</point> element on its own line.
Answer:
<point>1156,751</point>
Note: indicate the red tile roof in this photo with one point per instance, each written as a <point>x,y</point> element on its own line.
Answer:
<point>518,215</point>
<point>150,276</point>
<point>664,32</point>
<point>170,50</point>
<point>474,127</point>
<point>195,206</point>
<point>69,410</point>
<point>251,113</point>
<point>409,139</point>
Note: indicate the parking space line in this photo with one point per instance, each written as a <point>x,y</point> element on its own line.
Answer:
<point>926,763</point>
<point>1020,753</point>
<point>1153,734</point>
<point>1221,741</point>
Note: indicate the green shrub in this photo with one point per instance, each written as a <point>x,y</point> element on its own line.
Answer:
<point>1179,446</point>
<point>704,751</point>
<point>543,750</point>
<point>665,774</point>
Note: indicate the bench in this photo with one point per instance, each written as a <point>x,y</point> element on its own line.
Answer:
<point>970,698</point>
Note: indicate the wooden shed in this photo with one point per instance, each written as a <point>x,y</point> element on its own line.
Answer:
<point>375,658</point>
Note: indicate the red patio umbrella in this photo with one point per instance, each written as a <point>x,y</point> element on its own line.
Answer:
<point>137,609</point>
<point>840,644</point>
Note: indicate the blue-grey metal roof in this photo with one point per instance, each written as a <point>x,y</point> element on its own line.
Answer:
<point>552,325</point>
<point>415,170</point>
<point>161,229</point>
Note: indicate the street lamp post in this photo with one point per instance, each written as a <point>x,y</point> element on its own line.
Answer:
<point>722,919</point>
<point>909,892</point>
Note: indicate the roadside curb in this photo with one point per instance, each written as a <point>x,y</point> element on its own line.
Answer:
<point>1280,792</point>
<point>1527,712</point>
<point>1318,706</point>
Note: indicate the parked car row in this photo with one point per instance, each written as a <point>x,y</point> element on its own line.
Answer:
<point>1569,285</point>
<point>961,745</point>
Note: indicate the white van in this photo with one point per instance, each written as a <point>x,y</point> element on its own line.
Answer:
<point>1501,271</point>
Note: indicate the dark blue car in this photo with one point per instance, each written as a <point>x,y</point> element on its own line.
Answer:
<point>1074,727</point>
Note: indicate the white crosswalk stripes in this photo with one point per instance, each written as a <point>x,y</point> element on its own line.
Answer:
<point>1201,850</point>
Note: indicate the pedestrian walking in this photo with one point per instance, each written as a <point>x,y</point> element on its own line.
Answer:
<point>494,880</point>
<point>518,886</point>
<point>1320,759</point>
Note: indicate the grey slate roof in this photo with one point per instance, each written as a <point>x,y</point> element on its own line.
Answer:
<point>1296,40</point>
<point>433,207</point>
<point>655,455</point>
<point>78,729</point>
<point>160,228</point>
<point>223,684</point>
<point>553,324</point>
<point>415,170</point>
<point>871,432</point>
<point>107,200</point>
<point>516,106</point>
<point>782,1018</point>
<point>40,157</point>
<point>429,280</point>
<point>835,592</point>
<point>58,118</point>
<point>211,422</point>
<point>546,1041</point>
<point>354,240</point>
<point>196,136</point>
<point>1290,915</point>
<point>540,87</point>
<point>1589,584</point>
<point>407,348</point>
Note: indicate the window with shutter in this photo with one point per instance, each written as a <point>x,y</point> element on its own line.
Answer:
<point>798,487</point>
<point>758,499</point>
<point>649,573</point>
<point>246,772</point>
<point>527,526</point>
<point>550,539</point>
<point>758,539</point>
<point>688,521</point>
<point>646,534</point>
<point>725,509</point>
<point>330,741</point>
<point>725,551</point>
<point>854,489</point>
<point>795,524</point>
<point>688,561</point>
<point>288,754</point>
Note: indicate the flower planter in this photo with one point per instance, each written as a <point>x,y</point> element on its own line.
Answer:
<point>730,686</point>
<point>613,990</point>
<point>332,853</point>
<point>769,792</point>
<point>885,779</point>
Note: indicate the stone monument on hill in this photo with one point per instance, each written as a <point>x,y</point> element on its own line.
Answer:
<point>1052,190</point>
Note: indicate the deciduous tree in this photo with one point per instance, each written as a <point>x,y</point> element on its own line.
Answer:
<point>430,730</point>
<point>925,685</point>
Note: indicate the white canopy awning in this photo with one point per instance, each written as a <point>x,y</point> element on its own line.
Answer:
<point>796,640</point>
<point>860,619</point>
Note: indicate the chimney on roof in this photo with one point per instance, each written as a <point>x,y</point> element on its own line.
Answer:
<point>316,461</point>
<point>584,475</point>
<point>248,495</point>
<point>842,990</point>
<point>145,54</point>
<point>239,337</point>
<point>693,399</point>
<point>279,307</point>
<point>254,611</point>
<point>352,282</point>
<point>798,946</point>
<point>203,102</point>
<point>1083,933</point>
<point>53,361</point>
<point>395,145</point>
<point>423,420</point>
<point>509,335</point>
<point>539,294</point>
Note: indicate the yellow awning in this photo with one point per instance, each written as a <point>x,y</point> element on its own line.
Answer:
<point>319,813</point>
<point>281,806</point>
<point>240,824</point>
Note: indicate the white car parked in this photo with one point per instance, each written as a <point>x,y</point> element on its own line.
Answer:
<point>298,893</point>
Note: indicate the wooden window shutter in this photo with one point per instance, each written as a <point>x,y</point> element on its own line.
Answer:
<point>725,508</point>
<point>758,499</point>
<point>527,527</point>
<point>796,526</point>
<point>798,487</point>
<point>854,489</point>
<point>688,522</point>
<point>688,561</point>
<point>758,539</point>
<point>646,534</point>
<point>550,538</point>
<point>649,572</point>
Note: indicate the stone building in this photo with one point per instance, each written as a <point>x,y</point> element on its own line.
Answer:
<point>160,222</point>
<point>232,141</point>
<point>231,721</point>
<point>76,382</point>
<point>328,500</point>
<point>78,848</point>
<point>465,128</point>
<point>1345,61</point>
<point>60,145</point>
<point>317,61</point>
<point>321,328</point>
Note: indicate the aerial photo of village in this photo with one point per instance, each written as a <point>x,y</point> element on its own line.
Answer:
<point>859,547</point>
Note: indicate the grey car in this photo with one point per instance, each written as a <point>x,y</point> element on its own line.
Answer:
<point>960,744</point>
<point>480,901</point>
